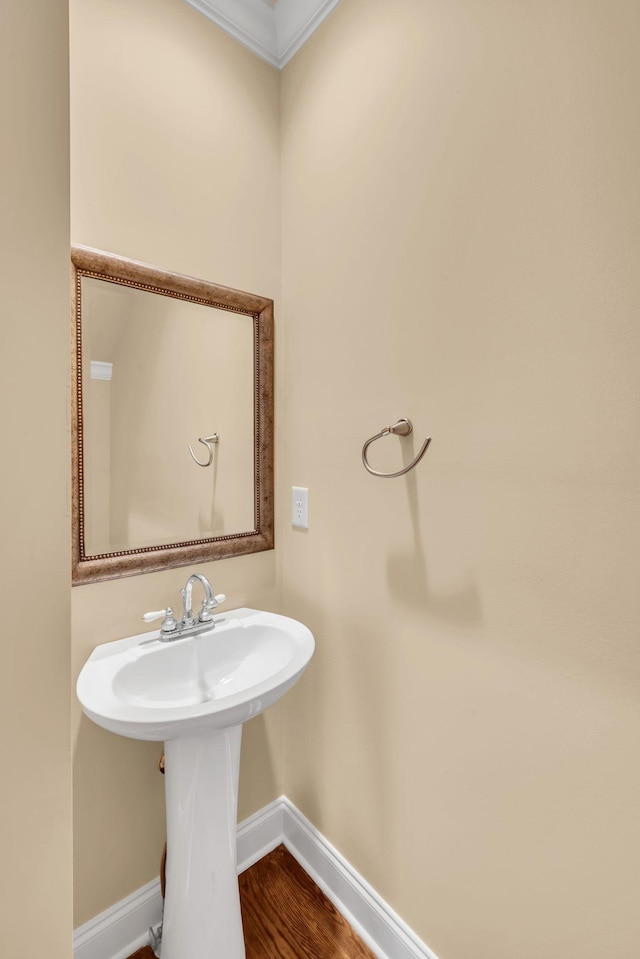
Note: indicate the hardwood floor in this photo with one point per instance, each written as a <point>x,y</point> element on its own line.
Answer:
<point>286,916</point>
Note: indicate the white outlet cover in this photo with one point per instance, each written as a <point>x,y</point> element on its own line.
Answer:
<point>300,507</point>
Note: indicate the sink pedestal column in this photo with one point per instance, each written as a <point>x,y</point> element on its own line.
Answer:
<point>202,906</point>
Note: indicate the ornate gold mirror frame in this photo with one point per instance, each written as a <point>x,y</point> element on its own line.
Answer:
<point>129,562</point>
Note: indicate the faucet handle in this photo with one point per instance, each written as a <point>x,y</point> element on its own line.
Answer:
<point>149,617</point>
<point>169,624</point>
<point>207,605</point>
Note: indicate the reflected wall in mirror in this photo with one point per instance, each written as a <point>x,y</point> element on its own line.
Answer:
<point>161,362</point>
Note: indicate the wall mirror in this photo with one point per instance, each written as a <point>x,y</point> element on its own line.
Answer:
<point>172,419</point>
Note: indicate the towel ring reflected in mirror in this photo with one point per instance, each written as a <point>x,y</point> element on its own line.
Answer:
<point>206,441</point>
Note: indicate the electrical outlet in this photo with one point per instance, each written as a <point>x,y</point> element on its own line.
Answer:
<point>300,507</point>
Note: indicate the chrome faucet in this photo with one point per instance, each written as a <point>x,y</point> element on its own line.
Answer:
<point>188,625</point>
<point>208,603</point>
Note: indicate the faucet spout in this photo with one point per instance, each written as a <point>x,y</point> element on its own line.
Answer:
<point>187,594</point>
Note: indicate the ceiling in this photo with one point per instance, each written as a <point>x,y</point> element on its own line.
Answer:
<point>273,29</point>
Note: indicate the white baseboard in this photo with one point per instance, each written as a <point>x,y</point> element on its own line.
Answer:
<point>260,833</point>
<point>120,930</point>
<point>117,932</point>
<point>383,931</point>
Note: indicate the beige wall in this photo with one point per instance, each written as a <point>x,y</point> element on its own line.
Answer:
<point>174,129</point>
<point>35,834</point>
<point>460,246</point>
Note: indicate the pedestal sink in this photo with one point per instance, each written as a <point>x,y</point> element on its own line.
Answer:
<point>194,694</point>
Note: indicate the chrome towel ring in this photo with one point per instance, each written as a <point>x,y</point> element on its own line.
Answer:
<point>206,441</point>
<point>402,428</point>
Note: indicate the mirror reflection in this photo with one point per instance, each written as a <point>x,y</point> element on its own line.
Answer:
<point>173,419</point>
<point>159,373</point>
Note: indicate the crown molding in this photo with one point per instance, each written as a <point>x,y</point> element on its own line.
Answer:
<point>251,22</point>
<point>296,21</point>
<point>273,31</point>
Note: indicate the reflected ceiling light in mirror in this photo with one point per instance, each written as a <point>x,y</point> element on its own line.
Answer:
<point>101,370</point>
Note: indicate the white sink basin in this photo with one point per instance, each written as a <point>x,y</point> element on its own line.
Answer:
<point>147,689</point>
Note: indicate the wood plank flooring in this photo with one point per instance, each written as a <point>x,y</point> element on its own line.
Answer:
<point>286,916</point>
